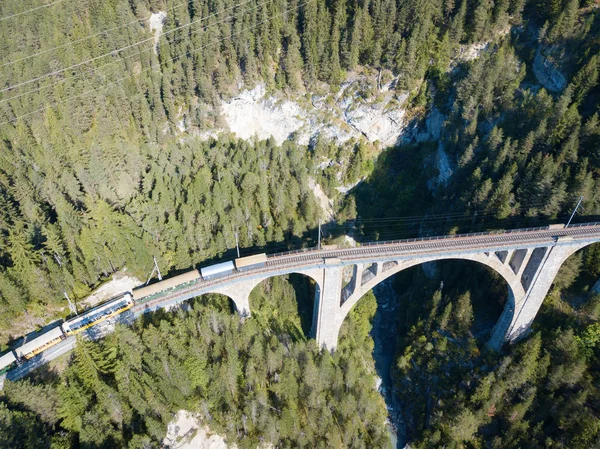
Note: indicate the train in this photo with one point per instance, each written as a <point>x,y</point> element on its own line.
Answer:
<point>120,304</point>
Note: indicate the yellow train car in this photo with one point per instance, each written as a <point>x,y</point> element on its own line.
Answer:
<point>48,339</point>
<point>98,314</point>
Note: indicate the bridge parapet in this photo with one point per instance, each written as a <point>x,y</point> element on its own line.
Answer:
<point>527,259</point>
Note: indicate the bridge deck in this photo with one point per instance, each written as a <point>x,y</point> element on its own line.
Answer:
<point>514,239</point>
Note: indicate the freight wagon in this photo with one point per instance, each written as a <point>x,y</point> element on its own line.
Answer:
<point>167,284</point>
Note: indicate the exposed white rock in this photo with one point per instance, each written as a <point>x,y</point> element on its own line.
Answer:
<point>472,51</point>
<point>547,72</point>
<point>444,167</point>
<point>157,21</point>
<point>339,118</point>
<point>120,283</point>
<point>185,432</point>
<point>433,126</point>
<point>349,241</point>
<point>250,113</point>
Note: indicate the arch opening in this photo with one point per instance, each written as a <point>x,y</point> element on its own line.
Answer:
<point>530,269</point>
<point>420,312</point>
<point>218,301</point>
<point>285,303</point>
<point>488,290</point>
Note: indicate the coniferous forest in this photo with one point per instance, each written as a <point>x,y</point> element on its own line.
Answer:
<point>96,176</point>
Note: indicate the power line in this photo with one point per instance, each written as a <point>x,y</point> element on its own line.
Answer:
<point>89,36</point>
<point>110,53</point>
<point>471,214</point>
<point>391,234</point>
<point>93,69</point>
<point>155,65</point>
<point>30,10</point>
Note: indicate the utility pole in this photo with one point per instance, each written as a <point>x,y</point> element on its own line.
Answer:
<point>237,244</point>
<point>157,269</point>
<point>154,268</point>
<point>319,237</point>
<point>574,211</point>
<point>71,305</point>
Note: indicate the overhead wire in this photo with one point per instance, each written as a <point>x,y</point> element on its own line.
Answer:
<point>474,212</point>
<point>89,36</point>
<point>406,234</point>
<point>104,55</point>
<point>118,61</point>
<point>30,10</point>
<point>426,219</point>
<point>153,66</point>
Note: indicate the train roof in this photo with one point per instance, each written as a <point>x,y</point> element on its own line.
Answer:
<point>250,260</point>
<point>43,339</point>
<point>217,268</point>
<point>166,284</point>
<point>7,359</point>
<point>99,308</point>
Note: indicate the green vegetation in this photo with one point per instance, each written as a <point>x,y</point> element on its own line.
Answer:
<point>94,178</point>
<point>539,393</point>
<point>257,382</point>
<point>96,174</point>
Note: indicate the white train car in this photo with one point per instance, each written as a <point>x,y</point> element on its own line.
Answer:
<point>250,262</point>
<point>39,344</point>
<point>97,314</point>
<point>7,361</point>
<point>217,270</point>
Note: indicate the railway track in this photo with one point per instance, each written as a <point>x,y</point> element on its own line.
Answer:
<point>401,248</point>
<point>377,251</point>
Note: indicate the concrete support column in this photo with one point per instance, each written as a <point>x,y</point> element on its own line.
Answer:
<point>328,308</point>
<point>509,256</point>
<point>239,294</point>
<point>242,305</point>
<point>379,268</point>
<point>519,312</point>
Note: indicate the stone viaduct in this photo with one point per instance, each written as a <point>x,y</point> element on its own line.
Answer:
<point>527,259</point>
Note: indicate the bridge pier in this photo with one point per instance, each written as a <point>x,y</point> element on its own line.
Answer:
<point>521,309</point>
<point>239,294</point>
<point>327,318</point>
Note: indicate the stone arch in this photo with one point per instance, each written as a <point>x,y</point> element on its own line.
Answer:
<point>514,287</point>
<point>239,290</point>
<point>516,321</point>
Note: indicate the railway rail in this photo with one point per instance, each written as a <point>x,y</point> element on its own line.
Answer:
<point>179,288</point>
<point>426,245</point>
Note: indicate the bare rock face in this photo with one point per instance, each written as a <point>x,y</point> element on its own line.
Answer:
<point>349,113</point>
<point>433,126</point>
<point>156,22</point>
<point>547,72</point>
<point>444,167</point>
